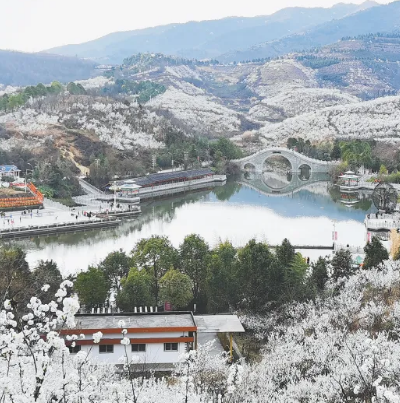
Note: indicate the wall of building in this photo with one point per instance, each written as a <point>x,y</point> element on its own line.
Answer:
<point>154,353</point>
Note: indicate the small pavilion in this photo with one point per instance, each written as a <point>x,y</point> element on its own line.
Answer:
<point>349,181</point>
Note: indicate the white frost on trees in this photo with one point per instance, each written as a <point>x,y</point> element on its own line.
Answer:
<point>95,82</point>
<point>379,118</point>
<point>289,103</point>
<point>198,113</point>
<point>341,347</point>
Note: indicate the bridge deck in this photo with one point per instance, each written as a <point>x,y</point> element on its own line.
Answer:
<point>295,159</point>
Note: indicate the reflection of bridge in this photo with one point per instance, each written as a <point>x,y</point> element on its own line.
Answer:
<point>256,161</point>
<point>257,182</point>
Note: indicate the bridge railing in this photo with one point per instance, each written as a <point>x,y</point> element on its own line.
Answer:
<point>285,150</point>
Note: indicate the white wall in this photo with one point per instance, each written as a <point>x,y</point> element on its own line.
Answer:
<point>154,354</point>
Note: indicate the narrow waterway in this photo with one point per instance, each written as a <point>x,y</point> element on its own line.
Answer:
<point>231,212</point>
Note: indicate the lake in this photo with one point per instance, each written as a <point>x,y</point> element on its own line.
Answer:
<point>232,212</point>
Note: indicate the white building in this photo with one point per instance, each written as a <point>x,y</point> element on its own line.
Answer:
<point>10,171</point>
<point>157,340</point>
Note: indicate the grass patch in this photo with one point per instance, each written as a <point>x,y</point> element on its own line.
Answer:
<point>67,201</point>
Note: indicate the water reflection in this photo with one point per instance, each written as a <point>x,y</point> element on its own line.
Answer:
<point>277,172</point>
<point>357,200</point>
<point>305,172</point>
<point>234,212</point>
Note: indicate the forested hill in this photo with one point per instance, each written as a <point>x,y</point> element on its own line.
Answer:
<point>207,39</point>
<point>20,69</point>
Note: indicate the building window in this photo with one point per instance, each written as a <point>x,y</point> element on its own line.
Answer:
<point>138,348</point>
<point>170,346</point>
<point>74,350</point>
<point>106,348</point>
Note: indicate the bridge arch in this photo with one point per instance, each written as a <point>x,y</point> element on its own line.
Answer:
<point>296,160</point>
<point>276,161</point>
<point>249,167</point>
<point>305,172</point>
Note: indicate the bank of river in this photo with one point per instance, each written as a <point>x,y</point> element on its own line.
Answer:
<point>231,212</point>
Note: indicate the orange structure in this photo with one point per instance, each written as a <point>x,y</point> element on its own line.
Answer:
<point>33,198</point>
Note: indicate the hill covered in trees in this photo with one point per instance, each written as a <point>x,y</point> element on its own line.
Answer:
<point>21,69</point>
<point>383,18</point>
<point>337,343</point>
<point>318,95</point>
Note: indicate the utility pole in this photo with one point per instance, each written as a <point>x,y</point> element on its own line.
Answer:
<point>185,158</point>
<point>115,197</point>
<point>26,174</point>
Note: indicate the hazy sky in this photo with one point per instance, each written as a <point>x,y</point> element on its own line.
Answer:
<point>32,25</point>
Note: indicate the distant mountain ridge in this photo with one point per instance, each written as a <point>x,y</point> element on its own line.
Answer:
<point>207,39</point>
<point>21,69</point>
<point>385,18</point>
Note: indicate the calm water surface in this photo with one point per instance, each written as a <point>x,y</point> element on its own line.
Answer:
<point>232,212</point>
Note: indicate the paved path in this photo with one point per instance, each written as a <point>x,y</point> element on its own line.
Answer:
<point>47,216</point>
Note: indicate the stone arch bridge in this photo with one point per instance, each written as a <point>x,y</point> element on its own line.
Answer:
<point>255,162</point>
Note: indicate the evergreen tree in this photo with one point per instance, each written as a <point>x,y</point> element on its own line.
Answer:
<point>194,257</point>
<point>156,255</point>
<point>285,253</point>
<point>259,274</point>
<point>294,276</point>
<point>46,272</point>
<point>136,290</point>
<point>92,287</point>
<point>222,278</point>
<point>176,288</point>
<point>336,153</point>
<point>375,253</point>
<point>116,267</point>
<point>319,274</point>
<point>342,264</point>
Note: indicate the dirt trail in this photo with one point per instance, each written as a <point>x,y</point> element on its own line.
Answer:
<point>68,154</point>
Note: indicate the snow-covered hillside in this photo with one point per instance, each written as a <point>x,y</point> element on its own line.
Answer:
<point>341,348</point>
<point>197,113</point>
<point>379,118</point>
<point>114,123</point>
<point>271,101</point>
<point>292,102</point>
<point>272,78</point>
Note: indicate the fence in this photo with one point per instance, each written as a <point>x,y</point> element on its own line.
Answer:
<point>352,249</point>
<point>382,224</point>
<point>36,192</point>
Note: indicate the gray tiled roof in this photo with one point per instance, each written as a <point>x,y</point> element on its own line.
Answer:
<point>144,320</point>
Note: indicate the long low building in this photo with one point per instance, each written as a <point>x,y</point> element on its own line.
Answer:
<point>157,340</point>
<point>160,179</point>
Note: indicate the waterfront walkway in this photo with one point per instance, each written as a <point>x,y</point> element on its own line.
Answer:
<point>57,228</point>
